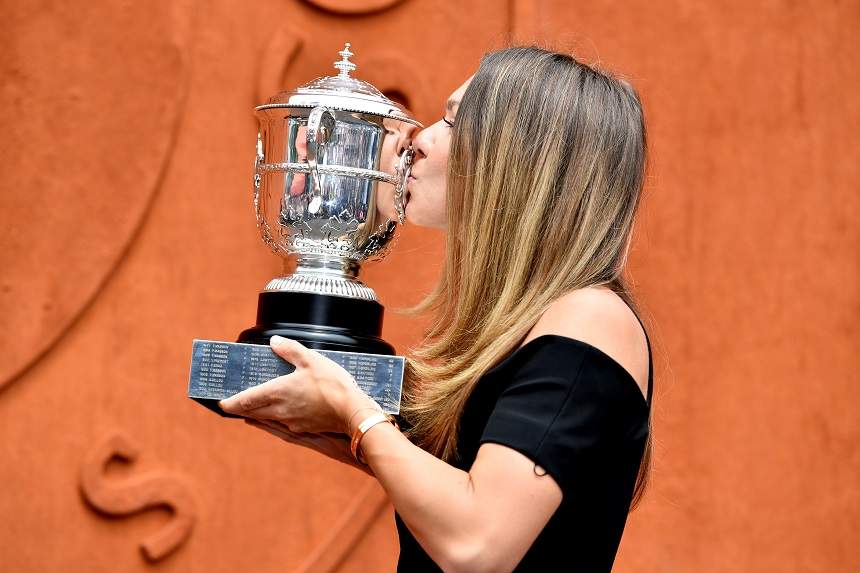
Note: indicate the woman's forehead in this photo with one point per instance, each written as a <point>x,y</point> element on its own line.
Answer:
<point>457,95</point>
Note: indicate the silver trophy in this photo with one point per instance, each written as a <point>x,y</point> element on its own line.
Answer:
<point>316,181</point>
<point>317,197</point>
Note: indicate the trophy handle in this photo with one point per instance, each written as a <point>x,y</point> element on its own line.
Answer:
<point>320,132</point>
<point>404,166</point>
<point>262,224</point>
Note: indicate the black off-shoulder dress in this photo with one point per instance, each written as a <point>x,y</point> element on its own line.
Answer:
<point>579,415</point>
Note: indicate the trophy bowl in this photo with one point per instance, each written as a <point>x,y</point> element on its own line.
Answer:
<point>316,179</point>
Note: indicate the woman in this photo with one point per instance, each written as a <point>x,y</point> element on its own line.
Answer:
<point>526,412</point>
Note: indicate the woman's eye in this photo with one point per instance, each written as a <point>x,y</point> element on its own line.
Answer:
<point>450,123</point>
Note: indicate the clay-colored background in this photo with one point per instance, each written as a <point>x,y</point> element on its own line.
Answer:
<point>126,142</point>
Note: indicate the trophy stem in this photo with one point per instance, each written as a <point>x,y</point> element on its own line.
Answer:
<point>332,267</point>
<point>327,276</point>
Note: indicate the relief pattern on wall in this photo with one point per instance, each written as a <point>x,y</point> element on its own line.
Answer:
<point>83,131</point>
<point>157,489</point>
<point>127,136</point>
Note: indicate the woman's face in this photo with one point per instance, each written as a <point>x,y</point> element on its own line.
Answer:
<point>426,206</point>
<point>398,137</point>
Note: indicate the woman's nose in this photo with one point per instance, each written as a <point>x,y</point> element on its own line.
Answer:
<point>421,143</point>
<point>404,141</point>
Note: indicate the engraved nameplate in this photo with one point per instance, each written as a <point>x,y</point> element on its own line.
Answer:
<point>221,369</point>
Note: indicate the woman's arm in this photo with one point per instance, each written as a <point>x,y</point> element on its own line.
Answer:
<point>481,520</point>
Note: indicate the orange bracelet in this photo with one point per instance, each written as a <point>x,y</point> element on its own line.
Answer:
<point>363,427</point>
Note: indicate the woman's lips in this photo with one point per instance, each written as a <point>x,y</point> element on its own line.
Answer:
<point>410,181</point>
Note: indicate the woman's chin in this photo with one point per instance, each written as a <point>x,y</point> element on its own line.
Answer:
<point>410,215</point>
<point>415,216</point>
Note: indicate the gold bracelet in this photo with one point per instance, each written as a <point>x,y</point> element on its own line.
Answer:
<point>375,408</point>
<point>363,427</point>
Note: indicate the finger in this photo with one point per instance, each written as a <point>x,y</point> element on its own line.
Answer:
<point>291,427</point>
<point>249,399</point>
<point>270,411</point>
<point>278,425</point>
<point>290,350</point>
<point>274,431</point>
<point>325,445</point>
<point>335,435</point>
<point>304,440</point>
<point>309,440</point>
<point>282,427</point>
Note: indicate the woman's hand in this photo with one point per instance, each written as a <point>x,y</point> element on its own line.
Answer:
<point>318,397</point>
<point>335,446</point>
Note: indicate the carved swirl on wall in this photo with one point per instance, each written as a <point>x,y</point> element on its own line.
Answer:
<point>278,55</point>
<point>354,7</point>
<point>83,159</point>
<point>396,75</point>
<point>137,494</point>
<point>347,533</point>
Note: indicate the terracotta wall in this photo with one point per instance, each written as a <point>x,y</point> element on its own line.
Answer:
<point>126,142</point>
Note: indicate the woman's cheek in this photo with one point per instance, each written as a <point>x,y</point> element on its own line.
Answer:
<point>440,218</point>
<point>426,210</point>
<point>415,209</point>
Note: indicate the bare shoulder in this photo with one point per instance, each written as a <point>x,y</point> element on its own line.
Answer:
<point>599,317</point>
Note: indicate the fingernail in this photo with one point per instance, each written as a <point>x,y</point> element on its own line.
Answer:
<point>276,340</point>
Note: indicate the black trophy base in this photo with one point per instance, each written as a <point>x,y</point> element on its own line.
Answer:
<point>321,322</point>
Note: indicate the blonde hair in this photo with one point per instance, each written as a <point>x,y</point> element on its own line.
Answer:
<point>545,173</point>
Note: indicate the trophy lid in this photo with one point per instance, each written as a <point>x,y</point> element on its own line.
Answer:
<point>341,92</point>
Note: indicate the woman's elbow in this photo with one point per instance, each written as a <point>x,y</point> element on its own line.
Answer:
<point>472,557</point>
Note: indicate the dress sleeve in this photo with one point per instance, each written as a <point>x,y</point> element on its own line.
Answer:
<point>564,405</point>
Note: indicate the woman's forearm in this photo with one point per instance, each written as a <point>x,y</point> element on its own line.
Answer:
<point>434,499</point>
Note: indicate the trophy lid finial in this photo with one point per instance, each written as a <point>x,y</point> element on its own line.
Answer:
<point>345,66</point>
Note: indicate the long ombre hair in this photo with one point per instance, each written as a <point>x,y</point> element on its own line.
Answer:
<point>545,173</point>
